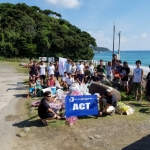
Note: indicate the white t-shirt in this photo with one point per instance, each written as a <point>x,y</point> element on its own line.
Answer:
<point>73,69</point>
<point>42,69</point>
<point>68,68</point>
<point>91,69</point>
<point>64,78</point>
<point>81,67</point>
<point>108,69</point>
<point>137,75</point>
<point>51,70</point>
<point>69,81</point>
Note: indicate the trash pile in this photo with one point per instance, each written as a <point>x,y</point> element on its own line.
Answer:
<point>124,109</point>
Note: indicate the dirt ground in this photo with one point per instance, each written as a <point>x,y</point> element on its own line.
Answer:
<point>118,132</point>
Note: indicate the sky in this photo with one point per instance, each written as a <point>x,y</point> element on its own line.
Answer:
<point>97,17</point>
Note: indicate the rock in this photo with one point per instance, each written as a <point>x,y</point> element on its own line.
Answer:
<point>21,134</point>
<point>26,129</point>
<point>131,85</point>
<point>97,136</point>
<point>101,88</point>
<point>91,137</point>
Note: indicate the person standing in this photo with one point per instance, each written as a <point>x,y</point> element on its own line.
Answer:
<point>50,69</point>
<point>100,64</point>
<point>73,68</point>
<point>69,66</point>
<point>137,80</point>
<point>109,71</point>
<point>56,69</point>
<point>91,68</point>
<point>42,71</point>
<point>124,73</point>
<point>81,67</point>
<point>34,69</point>
<point>114,61</point>
<point>148,87</point>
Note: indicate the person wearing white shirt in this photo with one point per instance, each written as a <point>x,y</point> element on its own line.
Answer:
<point>73,68</point>
<point>50,69</point>
<point>81,67</point>
<point>91,68</point>
<point>42,71</point>
<point>68,67</point>
<point>137,80</point>
<point>68,81</point>
<point>109,71</point>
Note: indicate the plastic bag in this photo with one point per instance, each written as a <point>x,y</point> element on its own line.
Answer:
<point>122,106</point>
<point>71,120</point>
<point>46,89</point>
<point>35,103</point>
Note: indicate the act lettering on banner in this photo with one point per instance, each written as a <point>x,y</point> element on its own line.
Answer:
<point>81,105</point>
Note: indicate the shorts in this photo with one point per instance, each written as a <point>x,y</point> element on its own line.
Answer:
<point>56,73</point>
<point>32,89</point>
<point>137,86</point>
<point>43,77</point>
<point>124,83</point>
<point>49,114</point>
<point>110,108</point>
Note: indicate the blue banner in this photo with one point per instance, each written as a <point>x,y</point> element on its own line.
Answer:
<point>81,105</point>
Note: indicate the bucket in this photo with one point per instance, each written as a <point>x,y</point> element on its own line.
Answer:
<point>53,90</point>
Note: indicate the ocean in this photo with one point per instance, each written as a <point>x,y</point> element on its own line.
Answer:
<point>129,56</point>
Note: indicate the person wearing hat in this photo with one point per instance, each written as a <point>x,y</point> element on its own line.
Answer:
<point>104,80</point>
<point>108,102</point>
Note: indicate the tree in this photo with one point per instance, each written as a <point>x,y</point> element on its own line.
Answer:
<point>31,32</point>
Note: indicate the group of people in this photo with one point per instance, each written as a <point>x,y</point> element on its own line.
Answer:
<point>43,76</point>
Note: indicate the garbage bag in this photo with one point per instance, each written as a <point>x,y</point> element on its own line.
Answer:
<point>71,120</point>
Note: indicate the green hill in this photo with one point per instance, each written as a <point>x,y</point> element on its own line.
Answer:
<point>100,49</point>
<point>31,32</point>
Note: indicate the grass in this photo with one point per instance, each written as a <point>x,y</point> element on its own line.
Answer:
<point>15,65</point>
<point>142,111</point>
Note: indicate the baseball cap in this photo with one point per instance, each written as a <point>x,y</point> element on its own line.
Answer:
<point>109,90</point>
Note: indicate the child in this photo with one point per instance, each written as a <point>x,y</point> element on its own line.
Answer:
<point>32,86</point>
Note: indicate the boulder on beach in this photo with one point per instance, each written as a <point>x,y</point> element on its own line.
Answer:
<point>101,89</point>
<point>131,85</point>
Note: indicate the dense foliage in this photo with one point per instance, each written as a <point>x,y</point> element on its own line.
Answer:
<point>31,32</point>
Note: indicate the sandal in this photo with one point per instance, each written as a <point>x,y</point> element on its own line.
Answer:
<point>44,124</point>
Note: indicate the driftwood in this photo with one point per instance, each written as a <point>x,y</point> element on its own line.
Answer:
<point>101,89</point>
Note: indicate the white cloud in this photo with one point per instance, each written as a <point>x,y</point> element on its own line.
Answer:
<point>135,37</point>
<point>123,39</point>
<point>144,35</point>
<point>90,32</point>
<point>65,3</point>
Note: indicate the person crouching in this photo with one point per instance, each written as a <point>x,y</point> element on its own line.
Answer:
<point>44,110</point>
<point>108,103</point>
